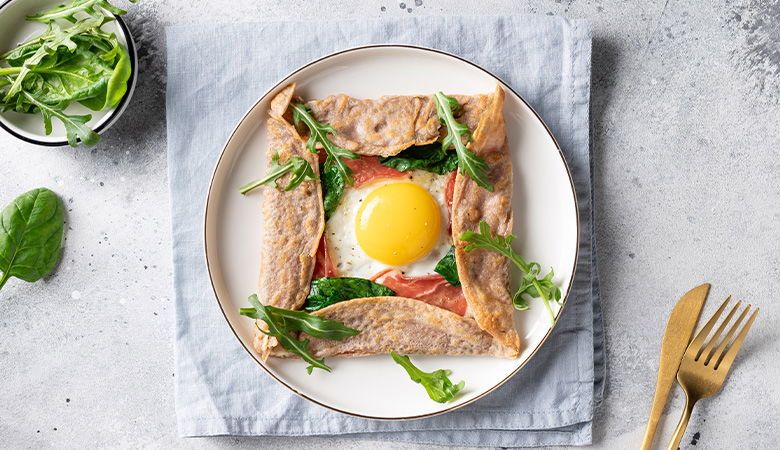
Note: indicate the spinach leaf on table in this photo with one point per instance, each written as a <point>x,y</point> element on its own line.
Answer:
<point>431,157</point>
<point>31,230</point>
<point>329,290</point>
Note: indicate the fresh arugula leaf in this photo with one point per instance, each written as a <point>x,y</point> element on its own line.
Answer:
<point>75,126</point>
<point>68,12</point>
<point>431,158</point>
<point>436,383</point>
<point>447,268</point>
<point>31,230</point>
<point>281,322</point>
<point>332,189</point>
<point>470,164</point>
<point>297,166</point>
<point>318,133</point>
<point>277,327</point>
<point>314,326</point>
<point>56,37</point>
<point>329,290</point>
<point>530,284</point>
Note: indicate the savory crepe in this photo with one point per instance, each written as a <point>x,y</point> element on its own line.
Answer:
<point>357,238</point>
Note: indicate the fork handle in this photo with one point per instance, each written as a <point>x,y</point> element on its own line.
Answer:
<point>682,424</point>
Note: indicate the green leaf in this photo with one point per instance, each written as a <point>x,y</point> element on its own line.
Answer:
<point>55,37</point>
<point>31,230</point>
<point>75,126</point>
<point>297,166</point>
<point>436,383</point>
<point>314,326</point>
<point>277,328</point>
<point>332,189</point>
<point>470,164</point>
<point>530,284</point>
<point>68,11</point>
<point>329,290</point>
<point>318,134</point>
<point>431,158</point>
<point>448,268</point>
<point>281,322</point>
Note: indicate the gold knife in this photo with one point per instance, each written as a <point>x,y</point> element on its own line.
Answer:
<point>679,331</point>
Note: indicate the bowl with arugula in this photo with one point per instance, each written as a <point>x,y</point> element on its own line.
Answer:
<point>67,71</point>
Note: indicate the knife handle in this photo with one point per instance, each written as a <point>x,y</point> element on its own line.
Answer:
<point>652,424</point>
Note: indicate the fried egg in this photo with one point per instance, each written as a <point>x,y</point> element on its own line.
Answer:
<point>398,223</point>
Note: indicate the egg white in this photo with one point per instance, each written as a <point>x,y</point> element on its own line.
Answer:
<point>351,261</point>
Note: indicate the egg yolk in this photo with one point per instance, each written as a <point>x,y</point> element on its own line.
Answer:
<point>398,223</point>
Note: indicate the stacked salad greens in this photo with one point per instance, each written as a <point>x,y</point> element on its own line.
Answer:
<point>73,61</point>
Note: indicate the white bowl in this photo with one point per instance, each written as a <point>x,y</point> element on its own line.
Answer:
<point>15,30</point>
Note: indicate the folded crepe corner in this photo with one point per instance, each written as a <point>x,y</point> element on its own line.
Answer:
<point>294,222</point>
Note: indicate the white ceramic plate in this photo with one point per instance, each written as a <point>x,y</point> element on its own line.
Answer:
<point>544,209</point>
<point>15,30</point>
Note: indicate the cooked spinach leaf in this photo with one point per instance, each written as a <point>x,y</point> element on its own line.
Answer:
<point>436,383</point>
<point>329,290</point>
<point>447,268</point>
<point>31,230</point>
<point>332,189</point>
<point>431,157</point>
<point>281,322</point>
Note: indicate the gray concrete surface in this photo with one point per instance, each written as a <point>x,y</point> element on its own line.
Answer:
<point>686,143</point>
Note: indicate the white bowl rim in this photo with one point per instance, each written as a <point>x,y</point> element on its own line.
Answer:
<point>112,115</point>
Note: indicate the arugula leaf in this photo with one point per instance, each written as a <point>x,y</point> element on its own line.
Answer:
<point>332,189</point>
<point>530,284</point>
<point>318,133</point>
<point>68,12</point>
<point>75,126</point>
<point>436,383</point>
<point>314,326</point>
<point>431,157</point>
<point>31,230</point>
<point>470,164</point>
<point>56,37</point>
<point>277,329</point>
<point>447,268</point>
<point>329,290</point>
<point>299,167</point>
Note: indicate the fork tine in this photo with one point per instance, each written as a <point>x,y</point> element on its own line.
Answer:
<point>708,351</point>
<point>695,346</point>
<point>724,363</point>
<point>718,352</point>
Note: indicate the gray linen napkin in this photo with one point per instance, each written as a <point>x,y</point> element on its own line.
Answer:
<point>215,72</point>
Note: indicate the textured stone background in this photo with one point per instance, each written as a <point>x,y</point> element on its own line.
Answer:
<point>686,143</point>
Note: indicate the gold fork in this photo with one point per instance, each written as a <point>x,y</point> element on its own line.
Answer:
<point>704,367</point>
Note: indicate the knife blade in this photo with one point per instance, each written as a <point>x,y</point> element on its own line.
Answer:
<point>677,335</point>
